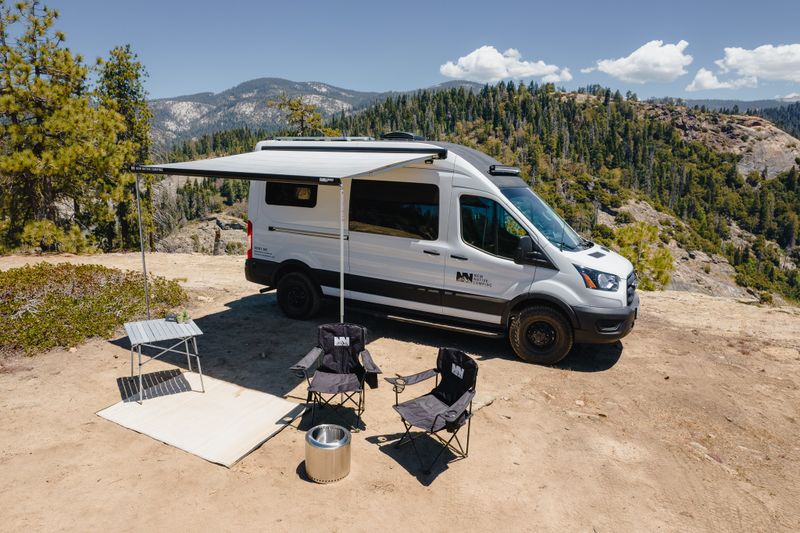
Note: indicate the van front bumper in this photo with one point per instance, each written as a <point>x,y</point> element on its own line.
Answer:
<point>599,325</point>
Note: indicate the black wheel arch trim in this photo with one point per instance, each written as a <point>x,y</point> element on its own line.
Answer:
<point>530,299</point>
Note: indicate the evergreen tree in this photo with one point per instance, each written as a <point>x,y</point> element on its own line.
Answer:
<point>301,116</point>
<point>121,87</point>
<point>60,157</point>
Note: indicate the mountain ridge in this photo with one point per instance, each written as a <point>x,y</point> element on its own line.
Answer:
<point>245,105</point>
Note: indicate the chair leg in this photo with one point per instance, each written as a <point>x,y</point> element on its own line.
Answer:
<point>419,458</point>
<point>400,442</point>
<point>445,446</point>
<point>469,426</point>
<point>359,411</point>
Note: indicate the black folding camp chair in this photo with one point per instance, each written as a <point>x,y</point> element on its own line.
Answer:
<point>339,365</point>
<point>447,407</point>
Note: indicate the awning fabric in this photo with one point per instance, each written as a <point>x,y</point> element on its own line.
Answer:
<point>274,163</point>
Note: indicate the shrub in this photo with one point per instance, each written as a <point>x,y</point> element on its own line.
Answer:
<point>603,234</point>
<point>44,306</point>
<point>234,248</point>
<point>42,234</point>
<point>46,236</point>
<point>652,261</point>
<point>623,217</point>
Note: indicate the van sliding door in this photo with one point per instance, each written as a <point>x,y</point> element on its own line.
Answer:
<point>396,253</point>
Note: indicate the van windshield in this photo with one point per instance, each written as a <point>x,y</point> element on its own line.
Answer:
<point>544,218</point>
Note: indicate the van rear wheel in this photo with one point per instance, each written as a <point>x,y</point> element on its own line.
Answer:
<point>298,297</point>
<point>541,335</point>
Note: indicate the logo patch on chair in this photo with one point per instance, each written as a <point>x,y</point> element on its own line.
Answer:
<point>458,371</point>
<point>342,341</point>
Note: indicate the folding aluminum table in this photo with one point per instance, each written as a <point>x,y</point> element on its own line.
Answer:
<point>147,332</point>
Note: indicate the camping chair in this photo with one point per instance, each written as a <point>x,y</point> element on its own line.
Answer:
<point>447,407</point>
<point>339,365</point>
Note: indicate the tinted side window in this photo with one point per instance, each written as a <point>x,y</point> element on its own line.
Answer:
<point>408,210</point>
<point>486,225</point>
<point>291,194</point>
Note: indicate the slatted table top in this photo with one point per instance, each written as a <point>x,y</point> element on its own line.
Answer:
<point>147,331</point>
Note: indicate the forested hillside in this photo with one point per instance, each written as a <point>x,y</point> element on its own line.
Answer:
<point>594,149</point>
<point>785,117</point>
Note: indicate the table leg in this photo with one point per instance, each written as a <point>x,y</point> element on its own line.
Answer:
<point>199,368</point>
<point>141,389</point>
<point>186,349</point>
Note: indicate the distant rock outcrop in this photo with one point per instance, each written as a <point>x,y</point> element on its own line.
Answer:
<point>758,142</point>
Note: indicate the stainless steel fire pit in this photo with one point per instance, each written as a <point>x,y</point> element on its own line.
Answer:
<point>327,453</point>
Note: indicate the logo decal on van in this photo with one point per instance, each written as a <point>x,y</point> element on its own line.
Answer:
<point>341,341</point>
<point>473,279</point>
<point>458,371</point>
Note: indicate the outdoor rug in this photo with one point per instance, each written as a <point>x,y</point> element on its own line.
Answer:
<point>222,425</point>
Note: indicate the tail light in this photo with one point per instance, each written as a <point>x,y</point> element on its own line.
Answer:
<point>249,240</point>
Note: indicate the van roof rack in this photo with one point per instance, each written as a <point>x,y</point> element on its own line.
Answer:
<point>401,136</point>
<point>364,138</point>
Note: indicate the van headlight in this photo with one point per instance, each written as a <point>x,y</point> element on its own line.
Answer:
<point>594,279</point>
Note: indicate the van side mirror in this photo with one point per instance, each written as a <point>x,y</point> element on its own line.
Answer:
<point>524,247</point>
<point>527,254</point>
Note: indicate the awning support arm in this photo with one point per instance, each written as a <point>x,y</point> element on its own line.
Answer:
<point>341,251</point>
<point>141,245</point>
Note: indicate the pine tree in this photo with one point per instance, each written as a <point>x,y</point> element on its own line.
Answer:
<point>301,116</point>
<point>59,152</point>
<point>121,87</point>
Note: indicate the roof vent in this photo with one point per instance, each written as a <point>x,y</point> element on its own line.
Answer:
<point>401,136</point>
<point>503,170</point>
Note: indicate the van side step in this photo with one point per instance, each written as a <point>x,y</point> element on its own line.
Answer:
<point>448,327</point>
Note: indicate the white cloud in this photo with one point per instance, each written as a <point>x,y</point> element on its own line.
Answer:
<point>769,62</point>
<point>587,70</point>
<point>706,80</point>
<point>791,97</point>
<point>653,61</point>
<point>487,64</point>
<point>562,75</point>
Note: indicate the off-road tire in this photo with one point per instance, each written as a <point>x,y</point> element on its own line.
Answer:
<point>541,335</point>
<point>298,296</point>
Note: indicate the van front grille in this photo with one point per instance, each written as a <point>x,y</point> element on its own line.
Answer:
<point>631,286</point>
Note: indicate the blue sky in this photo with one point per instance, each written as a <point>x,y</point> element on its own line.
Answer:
<point>198,46</point>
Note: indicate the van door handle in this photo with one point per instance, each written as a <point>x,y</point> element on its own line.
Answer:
<point>431,252</point>
<point>459,257</point>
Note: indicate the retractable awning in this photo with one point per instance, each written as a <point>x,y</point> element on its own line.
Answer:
<point>323,164</point>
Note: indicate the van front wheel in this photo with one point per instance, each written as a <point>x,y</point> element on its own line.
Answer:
<point>540,335</point>
<point>297,296</point>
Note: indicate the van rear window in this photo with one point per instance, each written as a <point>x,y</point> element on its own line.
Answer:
<point>291,194</point>
<point>408,210</point>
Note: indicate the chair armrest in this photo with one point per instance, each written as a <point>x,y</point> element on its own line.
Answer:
<point>452,413</point>
<point>414,378</point>
<point>308,362</point>
<point>369,364</point>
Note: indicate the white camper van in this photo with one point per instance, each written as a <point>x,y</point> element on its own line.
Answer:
<point>437,234</point>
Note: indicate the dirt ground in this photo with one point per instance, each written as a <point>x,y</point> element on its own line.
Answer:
<point>690,424</point>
